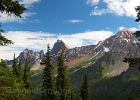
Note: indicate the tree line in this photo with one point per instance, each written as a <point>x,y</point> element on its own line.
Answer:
<point>59,87</point>
<point>16,81</point>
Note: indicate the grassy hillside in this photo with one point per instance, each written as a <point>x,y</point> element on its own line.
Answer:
<point>105,79</point>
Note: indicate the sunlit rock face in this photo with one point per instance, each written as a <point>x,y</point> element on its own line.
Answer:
<point>58,46</point>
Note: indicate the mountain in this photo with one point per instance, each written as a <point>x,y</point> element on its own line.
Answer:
<point>58,46</point>
<point>109,77</point>
<point>106,58</point>
<point>120,45</point>
<point>34,56</point>
<point>123,44</point>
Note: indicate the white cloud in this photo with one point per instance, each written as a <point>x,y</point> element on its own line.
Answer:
<point>132,29</point>
<point>121,28</point>
<point>4,18</point>
<point>29,3</point>
<point>96,7</point>
<point>39,40</point>
<point>73,21</point>
<point>93,2</point>
<point>100,12</point>
<point>118,7</point>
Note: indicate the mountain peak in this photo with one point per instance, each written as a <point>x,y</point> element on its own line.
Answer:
<point>26,49</point>
<point>58,46</point>
<point>126,31</point>
<point>59,41</point>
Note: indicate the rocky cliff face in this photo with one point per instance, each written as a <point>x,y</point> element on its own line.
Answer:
<point>58,46</point>
<point>124,43</point>
<point>33,55</point>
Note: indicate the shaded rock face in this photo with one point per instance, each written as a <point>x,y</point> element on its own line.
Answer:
<point>33,55</point>
<point>41,54</point>
<point>123,44</point>
<point>57,48</point>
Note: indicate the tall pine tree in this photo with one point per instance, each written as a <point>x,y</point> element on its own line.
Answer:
<point>48,87</point>
<point>17,72</point>
<point>10,7</point>
<point>62,79</point>
<point>27,74</point>
<point>84,90</point>
<point>15,67</point>
<point>6,76</point>
<point>20,70</point>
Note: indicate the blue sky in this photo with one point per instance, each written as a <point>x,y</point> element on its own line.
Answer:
<point>76,22</point>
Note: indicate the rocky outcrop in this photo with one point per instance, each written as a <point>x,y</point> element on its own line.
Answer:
<point>34,56</point>
<point>58,46</point>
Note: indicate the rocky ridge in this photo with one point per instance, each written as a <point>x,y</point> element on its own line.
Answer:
<point>120,45</point>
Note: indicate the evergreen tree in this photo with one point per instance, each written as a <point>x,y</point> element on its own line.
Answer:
<point>4,41</point>
<point>3,64</point>
<point>10,88</point>
<point>10,7</point>
<point>48,88</point>
<point>133,62</point>
<point>130,97</point>
<point>6,75</point>
<point>20,70</point>
<point>27,74</point>
<point>84,90</point>
<point>137,34</point>
<point>17,72</point>
<point>15,67</point>
<point>138,13</point>
<point>73,95</point>
<point>62,79</point>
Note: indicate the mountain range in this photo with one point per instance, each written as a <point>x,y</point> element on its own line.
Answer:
<point>120,45</point>
<point>109,77</point>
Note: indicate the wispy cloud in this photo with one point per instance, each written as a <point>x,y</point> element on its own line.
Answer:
<point>73,21</point>
<point>132,29</point>
<point>100,12</point>
<point>39,40</point>
<point>29,3</point>
<point>93,2</point>
<point>118,7</point>
<point>4,18</point>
